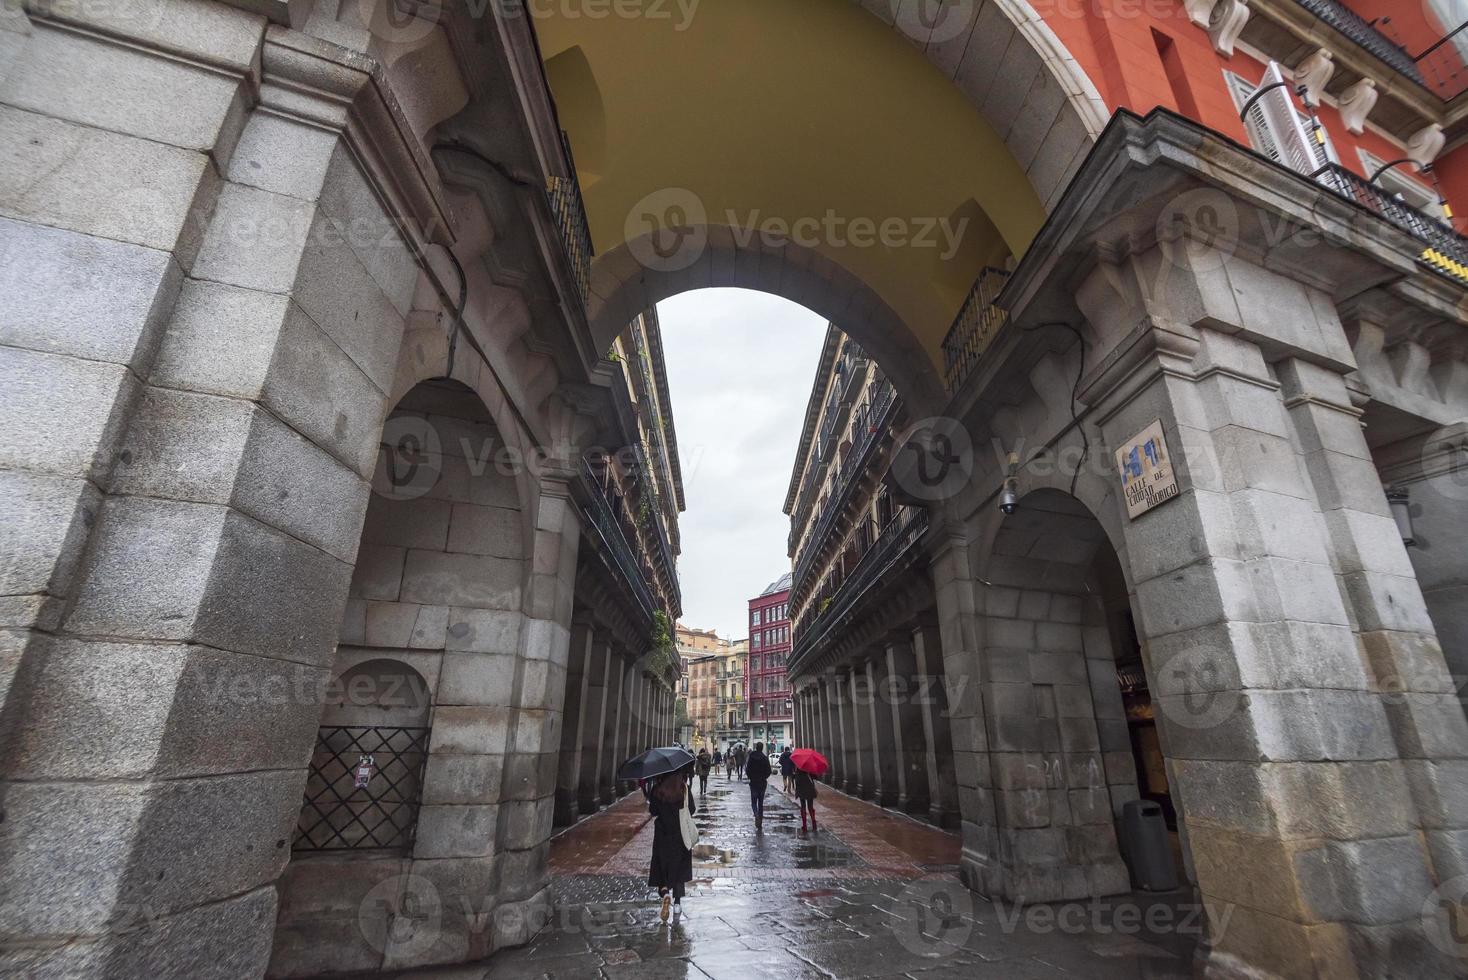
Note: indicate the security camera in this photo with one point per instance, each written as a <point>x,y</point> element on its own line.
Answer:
<point>1009,500</point>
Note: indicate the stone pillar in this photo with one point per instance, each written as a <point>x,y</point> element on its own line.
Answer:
<point>909,744</point>
<point>883,699</point>
<point>607,781</point>
<point>849,776</point>
<point>1389,613</point>
<point>568,771</point>
<point>125,265</point>
<point>628,737</point>
<point>830,712</point>
<point>1300,811</point>
<point>599,672</point>
<point>859,684</point>
<point>932,697</point>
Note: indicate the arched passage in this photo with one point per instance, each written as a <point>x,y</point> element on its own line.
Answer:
<point>1065,705</point>
<point>423,781</point>
<point>795,121</point>
<point>622,287</point>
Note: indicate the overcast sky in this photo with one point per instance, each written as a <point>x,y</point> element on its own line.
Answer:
<point>740,366</point>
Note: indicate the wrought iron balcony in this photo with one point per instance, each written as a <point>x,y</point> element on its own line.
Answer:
<point>567,205</point>
<point>608,528</point>
<point>901,533</point>
<point>871,421</point>
<point>1361,31</point>
<point>974,328</point>
<point>1444,250</point>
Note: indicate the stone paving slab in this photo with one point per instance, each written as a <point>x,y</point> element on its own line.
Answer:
<point>866,897</point>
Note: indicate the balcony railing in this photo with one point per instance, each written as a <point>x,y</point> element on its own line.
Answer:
<point>900,534</point>
<point>974,328</point>
<point>570,211</point>
<point>609,529</point>
<point>656,514</point>
<point>1444,250</point>
<point>871,420</point>
<point>1359,30</point>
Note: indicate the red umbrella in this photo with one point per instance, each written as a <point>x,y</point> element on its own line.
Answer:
<point>811,761</point>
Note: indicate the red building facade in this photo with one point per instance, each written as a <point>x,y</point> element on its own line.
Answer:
<point>767,685</point>
<point>1389,75</point>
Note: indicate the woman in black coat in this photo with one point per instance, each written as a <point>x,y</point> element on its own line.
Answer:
<point>672,862</point>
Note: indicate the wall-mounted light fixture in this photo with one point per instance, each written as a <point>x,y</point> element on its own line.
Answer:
<point>1009,496</point>
<point>1401,508</point>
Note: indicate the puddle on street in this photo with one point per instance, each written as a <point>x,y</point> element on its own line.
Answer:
<point>707,852</point>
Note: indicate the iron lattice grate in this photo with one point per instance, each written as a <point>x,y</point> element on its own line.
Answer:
<point>338,814</point>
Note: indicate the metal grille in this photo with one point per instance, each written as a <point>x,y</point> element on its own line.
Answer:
<point>1444,250</point>
<point>564,194</point>
<point>974,327</point>
<point>1364,33</point>
<point>338,814</point>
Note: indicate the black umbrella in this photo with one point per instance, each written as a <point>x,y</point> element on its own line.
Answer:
<point>655,762</point>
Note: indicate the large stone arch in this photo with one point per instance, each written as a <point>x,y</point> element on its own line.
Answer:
<point>622,286</point>
<point>1017,72</point>
<point>764,114</point>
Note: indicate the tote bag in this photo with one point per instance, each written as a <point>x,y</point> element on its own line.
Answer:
<point>686,826</point>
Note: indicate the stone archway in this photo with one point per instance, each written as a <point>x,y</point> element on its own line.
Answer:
<point>440,593</point>
<point>622,286</point>
<point>1061,756</point>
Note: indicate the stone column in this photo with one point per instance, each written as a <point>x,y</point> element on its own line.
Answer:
<point>599,672</point>
<point>568,771</point>
<point>607,781</point>
<point>849,775</point>
<point>909,744</point>
<point>1389,613</point>
<point>126,263</point>
<point>884,696</point>
<point>933,705</point>
<point>858,684</point>
<point>830,712</point>
<point>1300,812</point>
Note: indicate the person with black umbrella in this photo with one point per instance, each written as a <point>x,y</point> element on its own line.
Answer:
<point>672,857</point>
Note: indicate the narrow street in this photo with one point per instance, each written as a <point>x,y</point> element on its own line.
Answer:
<point>873,894</point>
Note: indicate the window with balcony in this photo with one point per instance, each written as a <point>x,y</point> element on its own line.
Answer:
<point>1278,127</point>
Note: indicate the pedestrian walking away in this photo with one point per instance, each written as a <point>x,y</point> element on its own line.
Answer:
<point>672,859</point>
<point>740,758</point>
<point>718,759</point>
<point>787,772</point>
<point>703,764</point>
<point>757,769</point>
<point>805,792</point>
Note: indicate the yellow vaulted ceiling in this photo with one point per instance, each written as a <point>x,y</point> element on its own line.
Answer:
<point>786,109</point>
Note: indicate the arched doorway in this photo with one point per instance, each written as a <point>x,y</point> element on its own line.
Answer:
<point>1072,729</point>
<point>423,783</point>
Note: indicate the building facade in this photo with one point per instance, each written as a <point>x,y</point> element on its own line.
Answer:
<point>732,708</point>
<point>331,407</point>
<point>769,706</point>
<point>703,653</point>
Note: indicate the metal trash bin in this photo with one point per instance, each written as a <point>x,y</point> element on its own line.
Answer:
<point>1145,843</point>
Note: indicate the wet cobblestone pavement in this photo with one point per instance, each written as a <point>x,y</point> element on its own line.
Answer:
<point>872,894</point>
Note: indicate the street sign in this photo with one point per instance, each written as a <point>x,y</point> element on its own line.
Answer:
<point>1147,476</point>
